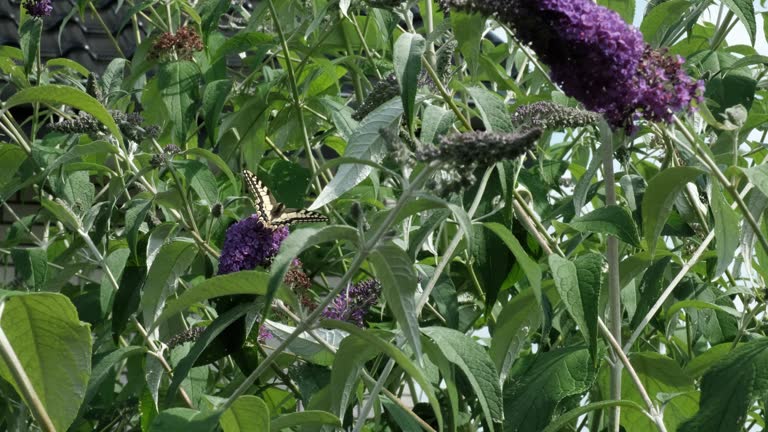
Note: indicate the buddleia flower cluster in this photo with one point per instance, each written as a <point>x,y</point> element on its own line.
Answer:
<point>131,125</point>
<point>480,147</point>
<point>597,58</point>
<point>549,115</point>
<point>384,90</point>
<point>354,303</point>
<point>160,159</point>
<point>461,154</point>
<point>38,8</point>
<point>388,87</point>
<point>183,44</point>
<point>189,335</point>
<point>249,244</point>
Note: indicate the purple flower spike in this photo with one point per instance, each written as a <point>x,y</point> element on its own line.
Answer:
<point>249,244</point>
<point>353,304</point>
<point>596,57</point>
<point>38,8</point>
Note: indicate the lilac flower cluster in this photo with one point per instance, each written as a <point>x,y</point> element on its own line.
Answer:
<point>596,57</point>
<point>38,8</point>
<point>249,244</point>
<point>353,304</point>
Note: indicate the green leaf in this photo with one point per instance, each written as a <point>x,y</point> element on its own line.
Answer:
<point>127,298</point>
<point>435,122</point>
<point>213,330</point>
<point>248,414</point>
<point>217,161</point>
<point>115,262</point>
<point>61,213</point>
<point>134,217</point>
<point>243,282</point>
<point>408,50</point>
<point>367,142</point>
<point>31,265</point>
<point>201,180</point>
<point>579,283</point>
<point>468,30</point>
<point>492,109</point>
<point>650,289</point>
<point>538,385</point>
<point>297,242</point>
<point>289,182</point>
<point>63,95</point>
<point>178,82</point>
<point>661,19</point>
<point>726,230</point>
<point>516,322</point>
<point>309,417</point>
<point>11,158</point>
<point>530,267</point>
<point>184,419</point>
<point>214,98</point>
<point>53,346</point>
<point>462,351</point>
<point>171,262</point>
<point>758,176</point>
<point>613,220</point>
<point>103,364</point>
<point>565,421</point>
<point>29,42</point>
<point>394,269</point>
<point>702,362</point>
<point>625,8</point>
<point>660,197</point>
<point>662,377</point>
<point>390,350</point>
<point>729,388</point>
<point>350,358</point>
<point>745,10</point>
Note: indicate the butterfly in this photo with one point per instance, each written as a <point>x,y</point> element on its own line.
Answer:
<point>272,213</point>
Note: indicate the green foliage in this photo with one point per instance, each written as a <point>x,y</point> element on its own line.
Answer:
<point>483,297</point>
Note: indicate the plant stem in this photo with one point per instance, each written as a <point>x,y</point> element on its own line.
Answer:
<point>706,160</point>
<point>673,284</point>
<point>656,415</point>
<point>453,245</point>
<point>295,92</point>
<point>362,254</point>
<point>446,96</point>
<point>147,339</point>
<point>23,383</point>
<point>614,290</point>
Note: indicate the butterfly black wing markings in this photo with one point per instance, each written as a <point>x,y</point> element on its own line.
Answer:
<point>274,214</point>
<point>292,216</point>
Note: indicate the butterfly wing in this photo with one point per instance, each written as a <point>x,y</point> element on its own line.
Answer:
<point>292,216</point>
<point>261,196</point>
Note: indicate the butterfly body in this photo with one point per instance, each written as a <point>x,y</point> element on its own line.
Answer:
<point>274,214</point>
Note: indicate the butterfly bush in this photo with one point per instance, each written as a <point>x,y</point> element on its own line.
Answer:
<point>38,8</point>
<point>249,244</point>
<point>353,304</point>
<point>597,58</point>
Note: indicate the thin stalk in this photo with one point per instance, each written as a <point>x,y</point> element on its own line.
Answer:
<point>706,160</point>
<point>357,83</point>
<point>446,96</point>
<point>453,245</point>
<point>614,289</point>
<point>654,412</point>
<point>22,380</point>
<point>363,414</point>
<point>362,254</point>
<point>366,375</point>
<point>156,351</point>
<point>294,91</point>
<point>106,29</point>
